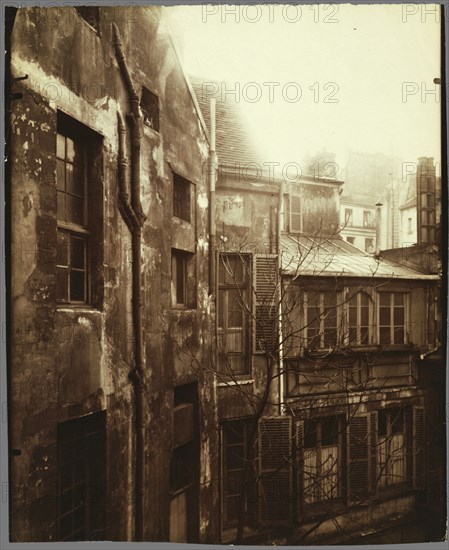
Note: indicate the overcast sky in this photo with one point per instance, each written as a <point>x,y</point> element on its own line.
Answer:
<point>339,74</point>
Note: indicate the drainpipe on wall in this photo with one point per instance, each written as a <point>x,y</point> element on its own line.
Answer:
<point>135,218</point>
<point>281,207</point>
<point>378,228</point>
<point>213,178</point>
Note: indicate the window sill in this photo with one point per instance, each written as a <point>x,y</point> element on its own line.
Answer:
<point>237,382</point>
<point>75,308</point>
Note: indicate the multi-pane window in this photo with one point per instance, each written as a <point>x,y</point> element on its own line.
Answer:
<point>149,104</point>
<point>71,189</point>
<point>322,457</point>
<point>348,217</point>
<point>322,319</point>
<point>233,314</point>
<point>391,447</point>
<point>181,197</point>
<point>182,278</point>
<point>392,318</point>
<point>295,213</point>
<point>82,478</point>
<point>359,319</point>
<point>237,452</point>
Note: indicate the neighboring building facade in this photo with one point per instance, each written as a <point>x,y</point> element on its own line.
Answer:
<point>321,345</point>
<point>112,426</point>
<point>358,224</point>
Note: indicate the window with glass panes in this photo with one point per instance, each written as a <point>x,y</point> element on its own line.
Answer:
<point>72,219</point>
<point>392,318</point>
<point>322,458</point>
<point>359,319</point>
<point>391,447</point>
<point>233,314</point>
<point>321,319</point>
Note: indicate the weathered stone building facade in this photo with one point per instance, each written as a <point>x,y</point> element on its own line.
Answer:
<point>109,283</point>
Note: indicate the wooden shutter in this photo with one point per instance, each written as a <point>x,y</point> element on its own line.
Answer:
<point>373,454</point>
<point>275,470</point>
<point>266,292</point>
<point>418,448</point>
<point>358,452</point>
<point>299,496</point>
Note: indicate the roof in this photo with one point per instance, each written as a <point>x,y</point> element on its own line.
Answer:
<point>234,142</point>
<point>312,256</point>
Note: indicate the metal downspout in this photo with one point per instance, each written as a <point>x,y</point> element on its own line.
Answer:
<point>137,218</point>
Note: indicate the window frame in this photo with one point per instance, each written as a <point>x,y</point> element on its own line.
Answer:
<point>392,326</point>
<point>386,460</point>
<point>182,260</point>
<point>182,204</point>
<point>152,116</point>
<point>297,213</point>
<point>358,326</point>
<point>79,231</point>
<point>349,213</point>
<point>322,318</point>
<point>243,287</point>
<point>318,448</point>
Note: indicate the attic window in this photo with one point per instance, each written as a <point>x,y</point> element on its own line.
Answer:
<point>149,104</point>
<point>91,15</point>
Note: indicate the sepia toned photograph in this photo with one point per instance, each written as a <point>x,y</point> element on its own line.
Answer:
<point>225,260</point>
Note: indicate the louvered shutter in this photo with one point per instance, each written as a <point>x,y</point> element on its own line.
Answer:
<point>266,291</point>
<point>409,439</point>
<point>299,469</point>
<point>358,452</point>
<point>275,470</point>
<point>373,455</point>
<point>418,448</point>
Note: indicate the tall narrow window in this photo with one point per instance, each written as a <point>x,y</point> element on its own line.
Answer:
<point>391,447</point>
<point>237,452</point>
<point>369,245</point>
<point>295,214</point>
<point>322,458</point>
<point>359,319</point>
<point>323,320</point>
<point>348,217</point>
<point>285,209</point>
<point>73,229</point>
<point>182,279</point>
<point>181,197</point>
<point>82,478</point>
<point>367,218</point>
<point>392,318</point>
<point>233,314</point>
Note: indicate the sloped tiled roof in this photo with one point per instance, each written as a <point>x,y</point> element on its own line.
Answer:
<point>234,142</point>
<point>301,255</point>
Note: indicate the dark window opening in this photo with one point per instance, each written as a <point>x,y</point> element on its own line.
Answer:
<point>184,471</point>
<point>183,279</point>
<point>181,198</point>
<point>149,103</point>
<point>91,15</point>
<point>350,240</point>
<point>82,478</point>
<point>238,452</point>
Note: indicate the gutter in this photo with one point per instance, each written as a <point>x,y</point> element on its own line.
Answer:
<point>134,218</point>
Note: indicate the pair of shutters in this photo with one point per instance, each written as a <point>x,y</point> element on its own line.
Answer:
<point>281,453</point>
<point>266,297</point>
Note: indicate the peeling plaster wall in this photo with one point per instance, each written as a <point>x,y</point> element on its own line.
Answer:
<point>68,361</point>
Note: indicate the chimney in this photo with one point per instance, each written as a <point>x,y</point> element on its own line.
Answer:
<point>426,200</point>
<point>378,228</point>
